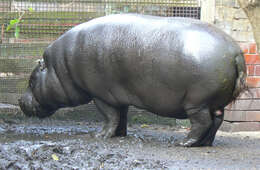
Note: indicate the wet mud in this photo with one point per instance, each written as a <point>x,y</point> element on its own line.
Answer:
<point>58,144</point>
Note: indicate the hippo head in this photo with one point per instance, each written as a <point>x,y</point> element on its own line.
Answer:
<point>28,102</point>
<point>31,107</point>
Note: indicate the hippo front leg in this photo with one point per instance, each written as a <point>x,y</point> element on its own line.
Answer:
<point>201,122</point>
<point>115,120</point>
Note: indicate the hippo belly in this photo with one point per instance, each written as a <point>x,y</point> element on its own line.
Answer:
<point>173,67</point>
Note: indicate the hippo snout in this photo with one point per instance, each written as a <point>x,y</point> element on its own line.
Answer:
<point>26,104</point>
<point>31,107</point>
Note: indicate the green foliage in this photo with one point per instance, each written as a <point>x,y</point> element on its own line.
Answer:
<point>15,23</point>
<point>12,23</point>
<point>30,9</point>
<point>17,31</point>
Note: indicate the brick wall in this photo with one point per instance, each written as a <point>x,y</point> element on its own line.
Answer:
<point>253,66</point>
<point>245,112</point>
<point>247,106</point>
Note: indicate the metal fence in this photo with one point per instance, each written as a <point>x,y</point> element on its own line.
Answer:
<point>28,26</point>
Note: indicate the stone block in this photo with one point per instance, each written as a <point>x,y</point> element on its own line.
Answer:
<point>240,14</point>
<point>253,82</point>
<point>230,3</point>
<point>243,36</point>
<point>229,13</point>
<point>245,104</point>
<point>224,25</point>
<point>218,2</point>
<point>237,6</point>
<point>253,93</point>
<point>226,3</point>
<point>225,13</point>
<point>240,126</point>
<point>242,116</point>
<point>219,13</point>
<point>241,25</point>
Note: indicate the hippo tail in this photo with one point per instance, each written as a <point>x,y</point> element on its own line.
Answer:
<point>240,85</point>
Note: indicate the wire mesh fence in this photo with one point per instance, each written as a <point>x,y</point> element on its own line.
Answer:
<point>36,23</point>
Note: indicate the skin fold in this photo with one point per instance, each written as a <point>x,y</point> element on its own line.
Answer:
<point>174,67</point>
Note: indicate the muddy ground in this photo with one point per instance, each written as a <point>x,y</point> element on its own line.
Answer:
<point>30,143</point>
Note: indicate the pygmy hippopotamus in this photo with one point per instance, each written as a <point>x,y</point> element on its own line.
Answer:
<point>174,67</point>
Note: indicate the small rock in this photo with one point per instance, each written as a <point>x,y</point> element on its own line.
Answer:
<point>58,149</point>
<point>136,163</point>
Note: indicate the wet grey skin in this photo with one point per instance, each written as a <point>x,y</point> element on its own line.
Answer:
<point>174,67</point>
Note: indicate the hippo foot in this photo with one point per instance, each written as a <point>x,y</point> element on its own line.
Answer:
<point>208,140</point>
<point>109,133</point>
<point>105,134</point>
<point>121,132</point>
<point>187,142</point>
<point>208,143</point>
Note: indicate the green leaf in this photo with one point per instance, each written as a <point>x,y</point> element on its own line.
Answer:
<point>144,126</point>
<point>17,31</point>
<point>30,9</point>
<point>55,157</point>
<point>12,23</point>
<point>9,27</point>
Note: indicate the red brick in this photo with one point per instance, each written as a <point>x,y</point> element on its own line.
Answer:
<point>250,70</point>
<point>252,58</point>
<point>252,48</point>
<point>244,47</point>
<point>253,81</point>
<point>257,70</point>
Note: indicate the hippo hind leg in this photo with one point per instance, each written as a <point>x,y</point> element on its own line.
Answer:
<point>201,122</point>
<point>115,120</point>
<point>217,117</point>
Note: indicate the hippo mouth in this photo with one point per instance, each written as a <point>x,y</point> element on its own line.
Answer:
<point>31,107</point>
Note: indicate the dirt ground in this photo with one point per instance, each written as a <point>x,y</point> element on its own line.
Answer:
<point>31,143</point>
